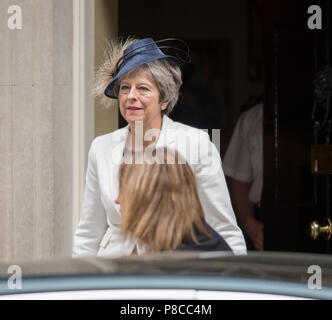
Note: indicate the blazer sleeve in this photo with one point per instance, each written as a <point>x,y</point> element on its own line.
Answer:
<point>214,195</point>
<point>93,224</point>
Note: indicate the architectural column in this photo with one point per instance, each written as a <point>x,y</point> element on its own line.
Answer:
<point>106,29</point>
<point>37,181</point>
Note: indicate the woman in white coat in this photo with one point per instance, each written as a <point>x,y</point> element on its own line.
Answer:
<point>146,84</point>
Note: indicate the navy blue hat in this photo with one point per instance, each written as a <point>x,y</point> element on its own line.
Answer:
<point>137,54</point>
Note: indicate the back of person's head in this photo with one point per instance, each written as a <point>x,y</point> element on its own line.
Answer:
<point>160,204</point>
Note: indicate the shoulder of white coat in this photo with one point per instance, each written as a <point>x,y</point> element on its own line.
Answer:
<point>105,141</point>
<point>197,140</point>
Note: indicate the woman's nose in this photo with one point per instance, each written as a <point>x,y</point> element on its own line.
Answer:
<point>117,200</point>
<point>132,93</point>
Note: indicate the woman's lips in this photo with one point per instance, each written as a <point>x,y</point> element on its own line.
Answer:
<point>133,108</point>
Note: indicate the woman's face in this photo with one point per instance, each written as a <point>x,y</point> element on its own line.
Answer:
<point>139,100</point>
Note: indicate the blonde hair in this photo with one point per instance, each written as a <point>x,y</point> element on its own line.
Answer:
<point>162,207</point>
<point>165,73</point>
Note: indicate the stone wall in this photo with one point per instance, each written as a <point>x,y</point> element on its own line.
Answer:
<point>36,130</point>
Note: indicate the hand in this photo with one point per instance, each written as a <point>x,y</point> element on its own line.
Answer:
<point>254,230</point>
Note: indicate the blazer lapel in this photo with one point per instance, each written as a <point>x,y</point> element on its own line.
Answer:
<point>118,143</point>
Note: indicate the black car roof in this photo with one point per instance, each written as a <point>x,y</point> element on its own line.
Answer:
<point>286,266</point>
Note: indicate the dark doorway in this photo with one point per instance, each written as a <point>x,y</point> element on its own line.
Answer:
<point>254,46</point>
<point>216,83</point>
<point>293,55</point>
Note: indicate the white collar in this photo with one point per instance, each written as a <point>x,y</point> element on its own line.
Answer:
<point>119,138</point>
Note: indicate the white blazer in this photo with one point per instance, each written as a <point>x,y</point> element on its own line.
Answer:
<point>99,230</point>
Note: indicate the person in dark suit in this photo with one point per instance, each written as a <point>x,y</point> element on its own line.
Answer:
<point>160,206</point>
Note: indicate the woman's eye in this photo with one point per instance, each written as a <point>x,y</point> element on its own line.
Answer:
<point>124,87</point>
<point>144,88</point>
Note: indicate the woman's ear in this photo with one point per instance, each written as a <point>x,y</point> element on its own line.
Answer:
<point>164,105</point>
<point>117,200</point>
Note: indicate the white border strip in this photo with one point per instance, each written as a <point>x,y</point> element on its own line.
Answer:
<point>148,294</point>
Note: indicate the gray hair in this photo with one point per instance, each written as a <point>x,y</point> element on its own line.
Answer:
<point>164,72</point>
